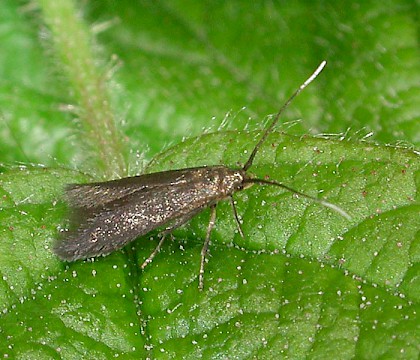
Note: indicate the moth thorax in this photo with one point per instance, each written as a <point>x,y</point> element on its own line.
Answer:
<point>231,181</point>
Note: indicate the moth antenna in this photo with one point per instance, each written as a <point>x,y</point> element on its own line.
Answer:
<point>277,117</point>
<point>327,204</point>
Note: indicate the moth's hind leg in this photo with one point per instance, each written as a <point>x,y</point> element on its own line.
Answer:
<point>177,223</point>
<point>154,252</point>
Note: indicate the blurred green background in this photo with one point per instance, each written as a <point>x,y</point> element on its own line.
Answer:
<point>177,68</point>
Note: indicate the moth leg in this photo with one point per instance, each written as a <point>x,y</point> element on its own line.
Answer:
<point>235,214</point>
<point>181,221</point>
<point>206,246</point>
<point>154,252</point>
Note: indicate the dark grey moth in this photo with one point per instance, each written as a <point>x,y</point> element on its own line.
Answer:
<point>108,215</point>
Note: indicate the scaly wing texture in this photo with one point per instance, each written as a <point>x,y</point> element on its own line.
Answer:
<point>93,195</point>
<point>132,212</point>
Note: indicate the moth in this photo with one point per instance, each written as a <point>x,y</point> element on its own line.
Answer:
<point>109,215</point>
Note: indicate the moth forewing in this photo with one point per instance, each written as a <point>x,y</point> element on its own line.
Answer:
<point>108,215</point>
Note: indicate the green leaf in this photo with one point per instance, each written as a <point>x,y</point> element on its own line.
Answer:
<point>304,281</point>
